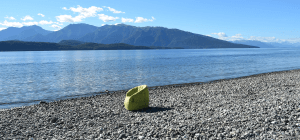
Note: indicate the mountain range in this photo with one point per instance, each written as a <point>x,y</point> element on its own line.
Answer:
<point>266,44</point>
<point>14,33</point>
<point>121,33</point>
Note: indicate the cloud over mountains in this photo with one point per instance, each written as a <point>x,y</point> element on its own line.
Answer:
<point>82,13</point>
<point>114,10</point>
<point>27,18</point>
<point>10,18</point>
<point>238,37</point>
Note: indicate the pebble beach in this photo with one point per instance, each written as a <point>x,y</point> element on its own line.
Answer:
<point>263,106</point>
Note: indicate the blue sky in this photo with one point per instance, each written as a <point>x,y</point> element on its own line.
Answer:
<point>262,20</point>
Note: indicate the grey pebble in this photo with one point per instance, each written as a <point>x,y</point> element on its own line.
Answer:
<point>265,106</point>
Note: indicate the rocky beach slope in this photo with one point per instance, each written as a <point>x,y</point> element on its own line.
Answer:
<point>264,106</point>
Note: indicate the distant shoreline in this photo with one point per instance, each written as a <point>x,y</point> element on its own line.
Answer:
<point>15,45</point>
<point>87,50</point>
<point>47,46</point>
<point>129,49</point>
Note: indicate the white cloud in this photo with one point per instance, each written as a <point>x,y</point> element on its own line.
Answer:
<point>41,15</point>
<point>10,18</point>
<point>264,39</point>
<point>221,35</point>
<point>127,20</point>
<point>237,37</point>
<point>107,18</point>
<point>274,39</point>
<point>86,12</point>
<point>141,19</point>
<point>69,18</point>
<point>292,40</point>
<point>56,27</point>
<point>114,10</point>
<point>2,29</point>
<point>43,22</point>
<point>58,23</point>
<point>30,23</point>
<point>83,13</point>
<point>27,18</point>
<point>12,24</point>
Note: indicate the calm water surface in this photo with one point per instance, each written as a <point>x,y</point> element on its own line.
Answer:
<point>30,76</point>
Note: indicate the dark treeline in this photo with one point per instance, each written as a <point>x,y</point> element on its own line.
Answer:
<point>46,46</point>
<point>71,42</point>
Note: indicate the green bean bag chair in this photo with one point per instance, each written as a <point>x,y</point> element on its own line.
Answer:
<point>137,98</point>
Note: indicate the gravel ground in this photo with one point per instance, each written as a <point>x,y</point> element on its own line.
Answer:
<point>264,106</point>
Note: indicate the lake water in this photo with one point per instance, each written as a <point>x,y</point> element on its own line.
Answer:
<point>27,77</point>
